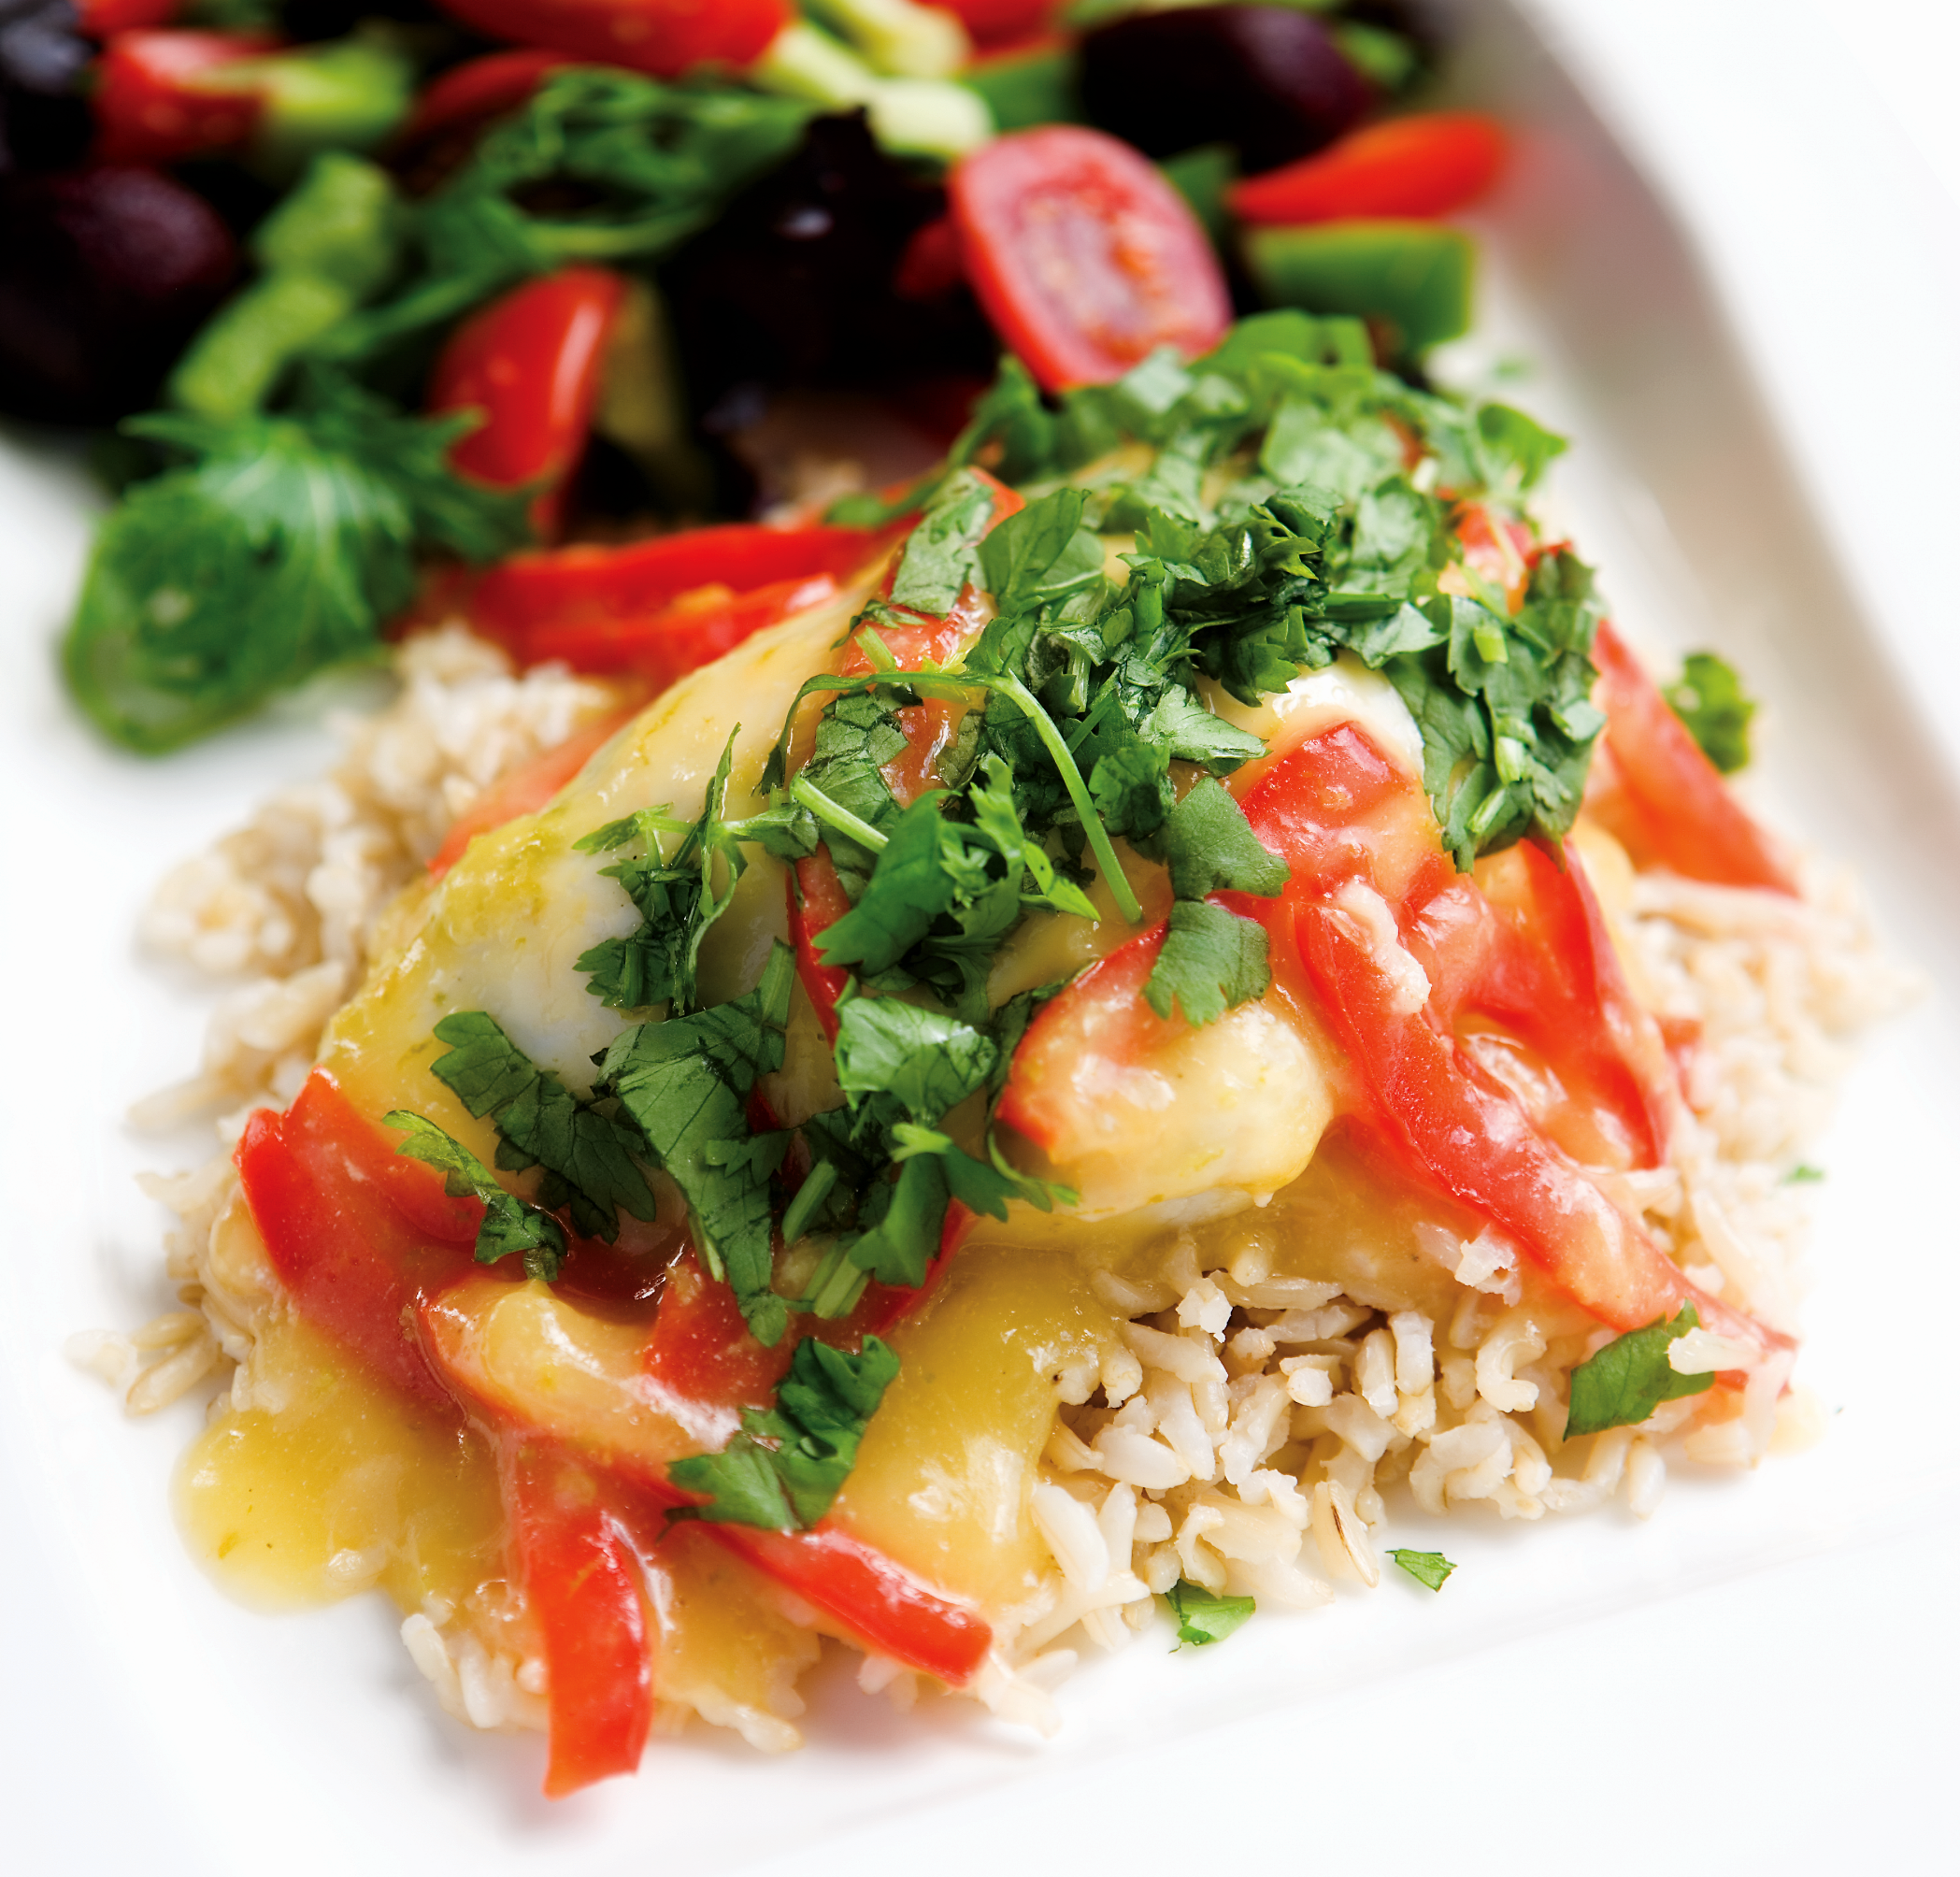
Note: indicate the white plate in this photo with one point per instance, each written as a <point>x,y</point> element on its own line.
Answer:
<point>1757,1675</point>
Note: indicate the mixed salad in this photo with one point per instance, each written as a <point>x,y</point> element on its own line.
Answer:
<point>372,290</point>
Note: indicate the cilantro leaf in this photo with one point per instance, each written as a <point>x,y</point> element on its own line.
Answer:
<point>942,553</point>
<point>1203,1615</point>
<point>510,1223</point>
<point>588,1157</point>
<point>1429,1568</point>
<point>1209,847</point>
<point>782,1471</point>
<point>1709,699</point>
<point>1212,962</point>
<point>685,1082</point>
<point>923,867</point>
<point>1041,555</point>
<point>279,548</point>
<point>1517,450</point>
<point>924,1060</point>
<point>1803,1174</point>
<point>1627,1379</point>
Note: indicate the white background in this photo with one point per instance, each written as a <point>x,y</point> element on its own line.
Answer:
<point>1758,1680</point>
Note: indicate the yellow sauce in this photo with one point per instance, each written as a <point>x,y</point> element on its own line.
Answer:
<point>942,1480</point>
<point>349,1484</point>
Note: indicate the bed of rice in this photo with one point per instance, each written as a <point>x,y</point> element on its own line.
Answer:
<point>1158,1469</point>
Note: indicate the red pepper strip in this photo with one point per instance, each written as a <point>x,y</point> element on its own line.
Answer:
<point>525,791</point>
<point>1660,796</point>
<point>631,606</point>
<point>153,101</point>
<point>665,37</point>
<point>1420,167</point>
<point>358,1235</point>
<point>530,363</point>
<point>1475,1142</point>
<point>582,1580</point>
<point>477,91</point>
<point>870,1596</point>
<point>697,629</point>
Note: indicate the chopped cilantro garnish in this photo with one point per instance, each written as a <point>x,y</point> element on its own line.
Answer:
<point>790,1461</point>
<point>587,1155</point>
<point>510,1223</point>
<point>1203,1615</point>
<point>1627,1379</point>
<point>1430,1568</point>
<point>686,1083</point>
<point>1803,1174</point>
<point>1709,699</point>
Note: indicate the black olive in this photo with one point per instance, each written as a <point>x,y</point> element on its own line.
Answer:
<point>1267,79</point>
<point>797,283</point>
<point>103,274</point>
<point>44,119</point>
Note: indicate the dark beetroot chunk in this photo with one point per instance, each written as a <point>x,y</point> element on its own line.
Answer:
<point>1268,79</point>
<point>103,274</point>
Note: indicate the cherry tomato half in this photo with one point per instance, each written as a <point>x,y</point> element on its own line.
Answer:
<point>1085,259</point>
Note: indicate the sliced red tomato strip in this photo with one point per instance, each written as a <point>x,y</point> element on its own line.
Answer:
<point>1475,1142</point>
<point>1659,794</point>
<point>358,1235</point>
<point>1419,168</point>
<point>582,1580</point>
<point>1082,255</point>
<point>817,902</point>
<point>1542,963</point>
<point>525,791</point>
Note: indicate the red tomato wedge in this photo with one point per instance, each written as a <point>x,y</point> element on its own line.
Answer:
<point>1660,796</point>
<point>155,100</point>
<point>525,791</point>
<point>582,1578</point>
<point>1416,168</point>
<point>1084,258</point>
<point>665,37</point>
<point>358,1235</point>
<point>530,361</point>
